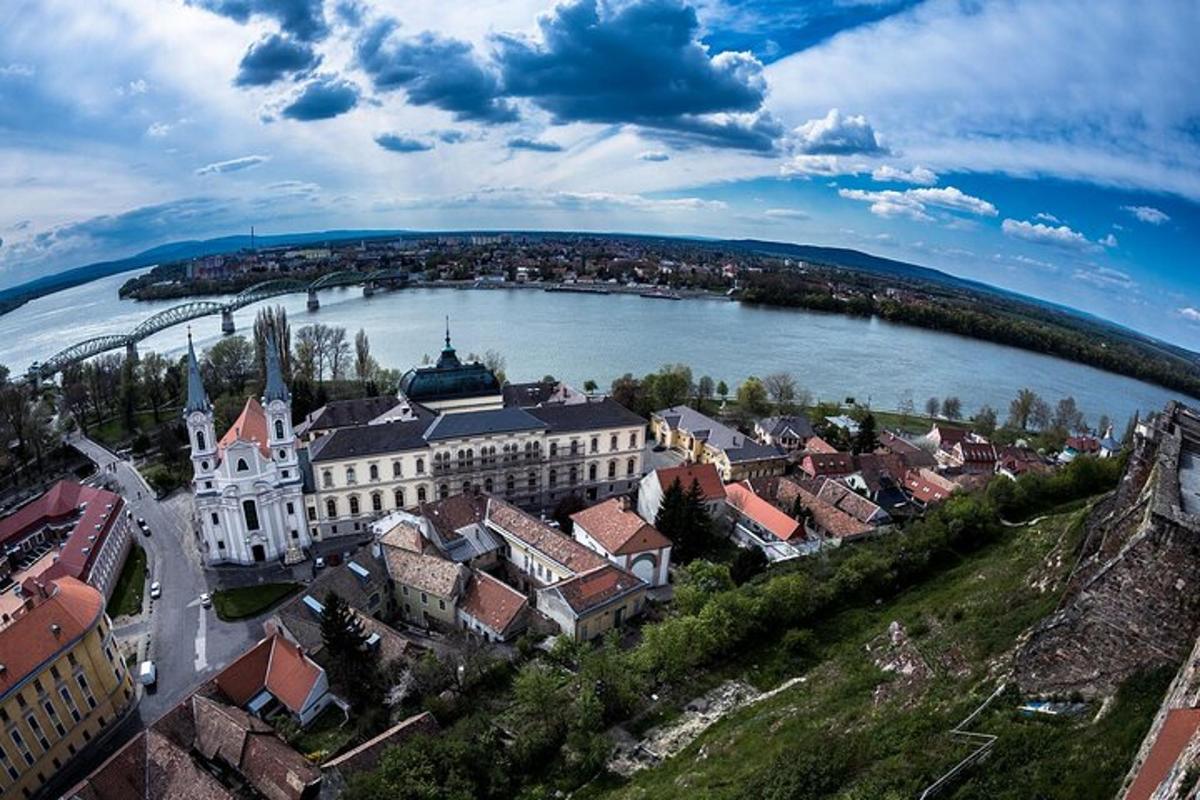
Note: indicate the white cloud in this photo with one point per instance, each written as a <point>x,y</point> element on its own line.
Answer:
<point>921,176</point>
<point>1106,278</point>
<point>232,165</point>
<point>1109,241</point>
<point>1039,233</point>
<point>823,165</point>
<point>915,203</point>
<point>786,213</point>
<point>835,134</point>
<point>1044,216</point>
<point>1148,214</point>
<point>1190,313</point>
<point>158,130</point>
<point>16,70</point>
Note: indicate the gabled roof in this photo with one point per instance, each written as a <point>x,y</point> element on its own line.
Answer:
<point>56,614</point>
<point>820,464</point>
<point>737,446</point>
<point>450,515</point>
<point>492,602</point>
<point>976,452</point>
<point>827,518</point>
<point>590,590</point>
<point>619,530</point>
<point>592,415</point>
<point>366,440</point>
<point>508,519</point>
<point>742,498</point>
<point>346,413</point>
<point>913,456</point>
<point>276,665</point>
<point>250,426</point>
<point>842,498</point>
<point>424,572</point>
<point>928,487</point>
<point>706,474</point>
<point>818,445</point>
<point>787,425</point>
<point>481,423</point>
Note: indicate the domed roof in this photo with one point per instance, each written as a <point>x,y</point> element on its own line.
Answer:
<point>448,379</point>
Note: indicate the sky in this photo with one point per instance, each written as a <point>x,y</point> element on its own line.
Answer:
<point>1047,148</point>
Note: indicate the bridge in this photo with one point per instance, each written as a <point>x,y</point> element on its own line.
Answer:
<point>194,309</point>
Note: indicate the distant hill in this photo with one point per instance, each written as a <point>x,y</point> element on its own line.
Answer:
<point>16,296</point>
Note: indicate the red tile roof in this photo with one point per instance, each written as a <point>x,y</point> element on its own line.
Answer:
<point>706,474</point>
<point>1177,731</point>
<point>818,445</point>
<point>742,498</point>
<point>826,518</point>
<point>619,530</point>
<point>928,487</point>
<point>825,464</point>
<point>274,664</point>
<point>562,549</point>
<point>593,589</point>
<point>250,426</point>
<point>1084,444</point>
<point>976,452</point>
<point>92,513</point>
<point>55,616</point>
<point>492,602</point>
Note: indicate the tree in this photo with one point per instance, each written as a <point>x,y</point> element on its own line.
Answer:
<point>932,407</point>
<point>704,389</point>
<point>1130,430</point>
<point>229,362</point>
<point>781,387</point>
<point>985,421</point>
<point>1021,409</point>
<point>748,562</point>
<point>1103,424</point>
<point>129,395</point>
<point>752,397</point>
<point>671,519</point>
<point>308,354</point>
<point>494,361</point>
<point>952,408</point>
<point>672,385</point>
<point>1040,415</point>
<point>722,390</point>
<point>272,323</point>
<point>865,441</point>
<point>152,372</point>
<point>339,629</point>
<point>364,364</point>
<point>627,390</point>
<point>338,353</point>
<point>1068,418</point>
<point>357,672</point>
<point>590,386</point>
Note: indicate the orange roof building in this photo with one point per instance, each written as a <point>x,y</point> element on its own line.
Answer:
<point>594,602</point>
<point>613,530</point>
<point>492,608</point>
<point>276,673</point>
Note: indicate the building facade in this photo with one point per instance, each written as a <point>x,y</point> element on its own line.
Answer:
<point>249,484</point>
<point>703,440</point>
<point>62,682</point>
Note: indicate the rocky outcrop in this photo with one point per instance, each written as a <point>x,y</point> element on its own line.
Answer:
<point>1133,600</point>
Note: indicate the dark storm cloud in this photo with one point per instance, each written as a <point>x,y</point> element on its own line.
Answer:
<point>303,19</point>
<point>322,98</point>
<point>398,143</point>
<point>536,145</point>
<point>273,58</point>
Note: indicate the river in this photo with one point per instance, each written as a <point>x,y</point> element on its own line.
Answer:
<point>577,336</point>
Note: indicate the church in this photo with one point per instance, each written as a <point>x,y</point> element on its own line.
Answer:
<point>249,484</point>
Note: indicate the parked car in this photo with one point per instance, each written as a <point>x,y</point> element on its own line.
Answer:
<point>147,674</point>
<point>320,562</point>
<point>141,523</point>
<point>206,600</point>
<point>146,530</point>
<point>155,590</point>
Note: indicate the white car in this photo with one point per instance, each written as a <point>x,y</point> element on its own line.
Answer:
<point>206,600</point>
<point>147,674</point>
<point>155,590</point>
<point>320,562</point>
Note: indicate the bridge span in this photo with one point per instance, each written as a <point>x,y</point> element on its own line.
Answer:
<point>194,309</point>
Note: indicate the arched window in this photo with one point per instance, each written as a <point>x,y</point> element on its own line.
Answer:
<point>633,439</point>
<point>510,483</point>
<point>531,480</point>
<point>420,466</point>
<point>553,449</point>
<point>630,466</point>
<point>242,466</point>
<point>376,501</point>
<point>612,442</point>
<point>199,440</point>
<point>612,470</point>
<point>351,478</point>
<point>283,455</point>
<point>278,429</point>
<point>396,470</point>
<point>488,485</point>
<point>574,447</point>
<point>250,511</point>
<point>398,497</point>
<point>420,494</point>
<point>595,444</point>
<point>331,508</point>
<point>354,505</point>
<point>574,475</point>
<point>466,487</point>
<point>592,473</point>
<point>326,479</point>
<point>373,472</point>
<point>553,478</point>
<point>443,491</point>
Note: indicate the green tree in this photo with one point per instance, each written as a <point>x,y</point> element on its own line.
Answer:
<point>152,373</point>
<point>129,395</point>
<point>272,323</point>
<point>781,387</point>
<point>590,386</point>
<point>866,440</point>
<point>364,363</point>
<point>722,390</point>
<point>229,363</point>
<point>672,385</point>
<point>952,408</point>
<point>1021,408</point>
<point>748,562</point>
<point>932,407</point>
<point>704,389</point>
<point>752,397</point>
<point>985,421</point>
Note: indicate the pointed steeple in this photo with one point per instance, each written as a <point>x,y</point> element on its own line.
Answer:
<point>448,347</point>
<point>448,359</point>
<point>197,398</point>
<point>276,388</point>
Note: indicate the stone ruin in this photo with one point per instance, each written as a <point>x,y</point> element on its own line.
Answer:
<point>1133,599</point>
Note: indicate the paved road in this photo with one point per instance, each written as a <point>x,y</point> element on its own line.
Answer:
<point>187,642</point>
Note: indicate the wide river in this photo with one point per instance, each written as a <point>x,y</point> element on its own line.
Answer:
<point>576,337</point>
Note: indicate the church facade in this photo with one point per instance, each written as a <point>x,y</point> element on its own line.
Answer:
<point>248,484</point>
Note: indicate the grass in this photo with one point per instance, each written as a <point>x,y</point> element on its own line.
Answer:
<point>250,601</point>
<point>112,431</point>
<point>327,734</point>
<point>127,594</point>
<point>881,737</point>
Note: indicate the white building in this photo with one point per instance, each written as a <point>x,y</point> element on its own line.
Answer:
<point>249,484</point>
<point>617,533</point>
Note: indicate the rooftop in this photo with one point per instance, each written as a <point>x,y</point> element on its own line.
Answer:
<point>594,414</point>
<point>619,530</point>
<point>737,446</point>
<point>594,588</point>
<point>556,546</point>
<point>426,573</point>
<point>743,498</point>
<point>54,617</point>
<point>482,423</point>
<point>346,413</point>
<point>705,474</point>
<point>492,602</point>
<point>275,665</point>
<point>250,426</point>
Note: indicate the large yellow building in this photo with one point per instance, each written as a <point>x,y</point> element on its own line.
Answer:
<point>62,682</point>
<point>703,440</point>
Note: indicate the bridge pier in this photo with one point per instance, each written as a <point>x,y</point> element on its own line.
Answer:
<point>368,289</point>
<point>227,321</point>
<point>131,353</point>
<point>314,302</point>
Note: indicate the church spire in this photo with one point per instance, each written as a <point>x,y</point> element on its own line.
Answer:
<point>197,398</point>
<point>276,388</point>
<point>448,347</point>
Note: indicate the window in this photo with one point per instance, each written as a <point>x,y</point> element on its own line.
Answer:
<point>351,478</point>
<point>203,465</point>
<point>200,440</point>
<point>553,481</point>
<point>373,472</point>
<point>488,484</point>
<point>283,455</point>
<point>69,701</point>
<point>295,533</point>
<point>216,519</point>
<point>612,470</point>
<point>376,502</point>
<point>595,444</point>
<point>420,466</point>
<point>398,498</point>
<point>312,513</point>
<point>630,466</point>
<point>633,439</point>
<point>510,483</point>
<point>612,442</point>
<point>250,512</point>
<point>36,727</point>
<point>327,479</point>
<point>397,472</point>
<point>424,599</point>
<point>592,473</point>
<point>574,475</point>
<point>353,505</point>
<point>221,544</point>
<point>291,508</point>
<point>242,466</point>
<point>442,605</point>
<point>443,491</point>
<point>420,494</point>
<point>532,480</point>
<point>279,430</point>
<point>331,508</point>
<point>553,449</point>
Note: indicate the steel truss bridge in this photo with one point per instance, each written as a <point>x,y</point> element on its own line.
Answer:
<point>194,309</point>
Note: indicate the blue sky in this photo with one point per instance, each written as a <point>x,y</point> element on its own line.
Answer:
<point>1049,148</point>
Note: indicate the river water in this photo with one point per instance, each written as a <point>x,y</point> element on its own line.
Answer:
<point>577,336</point>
